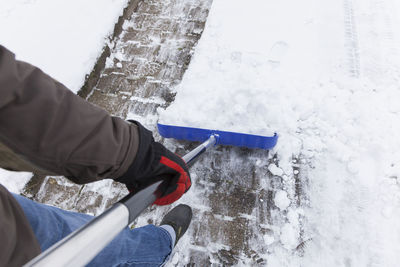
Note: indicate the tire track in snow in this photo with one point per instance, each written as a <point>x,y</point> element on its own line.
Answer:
<point>380,54</point>
<point>351,40</point>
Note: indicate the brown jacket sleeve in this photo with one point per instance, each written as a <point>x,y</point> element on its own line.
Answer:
<point>44,122</point>
<point>18,242</point>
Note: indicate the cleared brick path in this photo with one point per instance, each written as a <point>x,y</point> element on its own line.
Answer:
<point>233,191</point>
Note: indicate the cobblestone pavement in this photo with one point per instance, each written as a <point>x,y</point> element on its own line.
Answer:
<point>233,191</point>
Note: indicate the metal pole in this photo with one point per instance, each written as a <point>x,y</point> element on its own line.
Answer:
<point>81,246</point>
<point>191,157</point>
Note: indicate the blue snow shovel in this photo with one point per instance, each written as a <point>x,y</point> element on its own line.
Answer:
<point>82,245</point>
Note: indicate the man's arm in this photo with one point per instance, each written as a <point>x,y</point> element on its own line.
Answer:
<point>49,126</point>
<point>45,123</point>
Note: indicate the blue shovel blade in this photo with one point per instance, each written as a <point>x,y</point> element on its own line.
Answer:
<point>223,137</point>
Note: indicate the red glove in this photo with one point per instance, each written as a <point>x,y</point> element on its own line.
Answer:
<point>154,162</point>
<point>179,184</point>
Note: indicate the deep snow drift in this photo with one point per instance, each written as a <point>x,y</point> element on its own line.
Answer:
<point>63,37</point>
<point>325,77</point>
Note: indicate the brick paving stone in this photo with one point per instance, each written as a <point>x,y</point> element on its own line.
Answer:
<point>147,60</point>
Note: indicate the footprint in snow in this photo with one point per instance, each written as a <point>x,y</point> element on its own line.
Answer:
<point>276,53</point>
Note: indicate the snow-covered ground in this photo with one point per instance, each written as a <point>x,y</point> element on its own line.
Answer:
<point>14,181</point>
<point>325,76</point>
<point>62,37</point>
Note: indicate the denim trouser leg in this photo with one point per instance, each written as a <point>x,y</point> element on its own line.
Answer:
<point>144,246</point>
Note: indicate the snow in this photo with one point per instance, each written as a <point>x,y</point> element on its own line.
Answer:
<point>275,170</point>
<point>324,76</point>
<point>63,37</point>
<point>14,181</point>
<point>268,239</point>
<point>281,200</point>
<point>289,236</point>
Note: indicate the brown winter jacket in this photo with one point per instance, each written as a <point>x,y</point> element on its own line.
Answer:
<point>54,130</point>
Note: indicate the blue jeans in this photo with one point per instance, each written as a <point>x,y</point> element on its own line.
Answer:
<point>145,246</point>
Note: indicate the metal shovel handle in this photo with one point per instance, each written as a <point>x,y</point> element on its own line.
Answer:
<point>82,245</point>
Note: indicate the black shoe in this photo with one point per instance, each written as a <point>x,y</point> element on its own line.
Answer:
<point>179,218</point>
